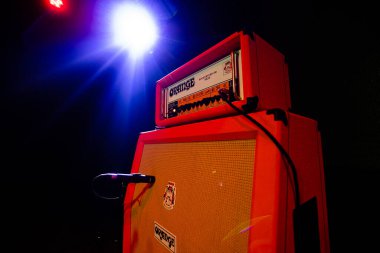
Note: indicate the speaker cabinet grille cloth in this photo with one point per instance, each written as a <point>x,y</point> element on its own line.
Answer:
<point>213,196</point>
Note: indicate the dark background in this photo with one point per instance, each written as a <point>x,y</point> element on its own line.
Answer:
<point>72,108</point>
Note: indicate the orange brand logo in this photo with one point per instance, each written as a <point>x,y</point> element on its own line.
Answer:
<point>169,196</point>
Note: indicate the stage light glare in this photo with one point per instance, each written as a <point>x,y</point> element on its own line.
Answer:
<point>134,28</point>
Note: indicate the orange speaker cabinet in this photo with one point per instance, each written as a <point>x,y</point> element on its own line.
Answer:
<point>223,186</point>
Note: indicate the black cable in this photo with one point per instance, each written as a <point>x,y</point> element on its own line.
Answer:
<point>224,93</point>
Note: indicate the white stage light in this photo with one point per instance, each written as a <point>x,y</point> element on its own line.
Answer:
<point>134,28</point>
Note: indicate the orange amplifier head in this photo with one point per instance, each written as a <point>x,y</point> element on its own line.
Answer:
<point>243,63</point>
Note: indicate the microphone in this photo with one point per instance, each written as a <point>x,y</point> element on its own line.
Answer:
<point>128,178</point>
<point>113,185</point>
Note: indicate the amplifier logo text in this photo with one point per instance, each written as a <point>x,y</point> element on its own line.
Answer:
<point>182,87</point>
<point>166,238</point>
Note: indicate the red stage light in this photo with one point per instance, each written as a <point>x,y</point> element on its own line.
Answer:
<point>56,3</point>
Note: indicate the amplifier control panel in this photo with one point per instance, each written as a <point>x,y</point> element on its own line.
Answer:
<point>199,91</point>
